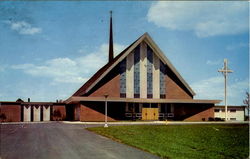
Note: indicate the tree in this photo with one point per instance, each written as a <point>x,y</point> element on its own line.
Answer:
<point>246,102</point>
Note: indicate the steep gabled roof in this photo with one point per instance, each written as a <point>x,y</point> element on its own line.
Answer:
<point>110,65</point>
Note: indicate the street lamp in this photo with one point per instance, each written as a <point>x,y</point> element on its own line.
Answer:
<point>106,110</point>
<point>225,70</point>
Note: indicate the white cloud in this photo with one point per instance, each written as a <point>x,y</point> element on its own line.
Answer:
<point>204,18</point>
<point>213,88</point>
<point>66,70</point>
<point>24,28</point>
<point>214,62</point>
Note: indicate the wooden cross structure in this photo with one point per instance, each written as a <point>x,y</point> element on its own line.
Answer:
<point>225,70</point>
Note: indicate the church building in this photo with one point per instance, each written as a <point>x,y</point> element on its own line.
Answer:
<point>140,83</point>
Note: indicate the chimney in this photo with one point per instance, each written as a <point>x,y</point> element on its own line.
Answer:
<point>111,52</point>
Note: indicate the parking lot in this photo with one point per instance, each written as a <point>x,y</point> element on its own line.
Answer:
<point>60,141</point>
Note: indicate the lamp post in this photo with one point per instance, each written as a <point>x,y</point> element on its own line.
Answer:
<point>225,70</point>
<point>106,110</point>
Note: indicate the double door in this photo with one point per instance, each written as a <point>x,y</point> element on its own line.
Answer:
<point>150,113</point>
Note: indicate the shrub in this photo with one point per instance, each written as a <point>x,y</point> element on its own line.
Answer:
<point>217,119</point>
<point>210,119</point>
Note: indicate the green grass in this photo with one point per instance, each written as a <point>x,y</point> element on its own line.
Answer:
<point>184,141</point>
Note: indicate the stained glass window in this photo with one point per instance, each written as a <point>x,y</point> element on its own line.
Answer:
<point>149,72</point>
<point>137,72</point>
<point>162,80</point>
<point>123,78</point>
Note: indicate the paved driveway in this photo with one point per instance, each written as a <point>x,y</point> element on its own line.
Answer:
<point>61,141</point>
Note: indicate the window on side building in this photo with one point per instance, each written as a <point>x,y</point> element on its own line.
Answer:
<point>216,110</point>
<point>232,110</point>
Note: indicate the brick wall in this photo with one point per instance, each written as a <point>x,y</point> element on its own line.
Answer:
<point>193,112</point>
<point>59,108</point>
<point>175,91</point>
<point>205,114</point>
<point>111,87</point>
<point>77,110</point>
<point>12,112</point>
<point>93,112</point>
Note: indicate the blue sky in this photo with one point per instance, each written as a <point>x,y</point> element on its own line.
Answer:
<point>49,49</point>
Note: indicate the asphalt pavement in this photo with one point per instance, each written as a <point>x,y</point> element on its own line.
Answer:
<point>61,141</point>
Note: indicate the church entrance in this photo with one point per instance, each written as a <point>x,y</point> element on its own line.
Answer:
<point>150,113</point>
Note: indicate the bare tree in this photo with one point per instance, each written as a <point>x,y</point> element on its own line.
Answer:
<point>246,102</point>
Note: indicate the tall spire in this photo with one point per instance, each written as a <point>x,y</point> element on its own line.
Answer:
<point>111,52</point>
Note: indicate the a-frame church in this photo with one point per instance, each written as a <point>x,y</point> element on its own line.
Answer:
<point>140,83</point>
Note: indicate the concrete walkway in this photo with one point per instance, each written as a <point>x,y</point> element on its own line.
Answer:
<point>133,122</point>
<point>56,140</point>
<point>154,123</point>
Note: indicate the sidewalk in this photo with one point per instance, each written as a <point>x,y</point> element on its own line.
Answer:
<point>154,122</point>
<point>134,122</point>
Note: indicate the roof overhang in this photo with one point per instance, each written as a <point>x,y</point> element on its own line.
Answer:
<point>31,103</point>
<point>231,106</point>
<point>76,99</point>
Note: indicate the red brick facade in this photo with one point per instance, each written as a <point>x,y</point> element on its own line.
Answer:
<point>90,113</point>
<point>193,112</point>
<point>11,112</point>
<point>174,91</point>
<point>112,88</point>
<point>205,114</point>
<point>62,112</point>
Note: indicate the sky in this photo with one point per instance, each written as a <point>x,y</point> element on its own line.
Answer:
<point>49,49</point>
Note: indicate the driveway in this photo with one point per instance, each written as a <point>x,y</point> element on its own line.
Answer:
<point>61,141</point>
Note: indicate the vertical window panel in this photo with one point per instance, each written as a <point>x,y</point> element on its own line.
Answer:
<point>123,78</point>
<point>149,72</point>
<point>137,72</point>
<point>162,80</point>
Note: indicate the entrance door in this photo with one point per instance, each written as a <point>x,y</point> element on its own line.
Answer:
<point>150,113</point>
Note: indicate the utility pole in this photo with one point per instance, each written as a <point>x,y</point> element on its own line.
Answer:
<point>225,70</point>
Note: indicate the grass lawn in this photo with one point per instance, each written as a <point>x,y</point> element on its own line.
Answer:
<point>184,141</point>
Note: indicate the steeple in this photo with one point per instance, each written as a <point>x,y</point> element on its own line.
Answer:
<point>111,52</point>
